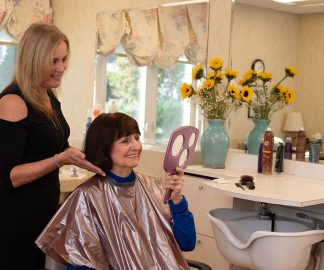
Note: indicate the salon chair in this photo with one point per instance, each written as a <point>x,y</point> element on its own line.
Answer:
<point>198,265</point>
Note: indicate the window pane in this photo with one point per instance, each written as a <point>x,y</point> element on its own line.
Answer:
<point>172,111</point>
<point>125,84</point>
<point>148,90</point>
<point>7,63</point>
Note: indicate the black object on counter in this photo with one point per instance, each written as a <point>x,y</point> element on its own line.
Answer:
<point>279,158</point>
<point>247,180</point>
<point>260,157</point>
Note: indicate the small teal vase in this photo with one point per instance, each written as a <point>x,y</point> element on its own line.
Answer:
<point>255,135</point>
<point>214,144</point>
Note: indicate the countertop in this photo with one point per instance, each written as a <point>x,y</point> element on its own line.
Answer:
<point>291,188</point>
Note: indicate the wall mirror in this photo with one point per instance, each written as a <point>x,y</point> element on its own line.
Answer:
<point>281,38</point>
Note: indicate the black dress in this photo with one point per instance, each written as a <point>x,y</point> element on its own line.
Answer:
<point>25,210</point>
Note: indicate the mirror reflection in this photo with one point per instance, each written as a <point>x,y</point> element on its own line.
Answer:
<point>280,39</point>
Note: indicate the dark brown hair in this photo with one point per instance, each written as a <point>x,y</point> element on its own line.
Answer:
<point>103,132</point>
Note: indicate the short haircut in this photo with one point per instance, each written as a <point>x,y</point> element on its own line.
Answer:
<point>103,132</point>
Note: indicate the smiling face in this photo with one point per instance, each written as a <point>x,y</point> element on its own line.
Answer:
<point>59,65</point>
<point>125,154</point>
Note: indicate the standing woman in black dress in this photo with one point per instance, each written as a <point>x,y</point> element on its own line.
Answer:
<point>33,145</point>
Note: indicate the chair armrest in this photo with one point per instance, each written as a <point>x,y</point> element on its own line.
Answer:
<point>199,265</point>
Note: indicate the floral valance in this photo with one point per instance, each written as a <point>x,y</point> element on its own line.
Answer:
<point>156,36</point>
<point>17,15</point>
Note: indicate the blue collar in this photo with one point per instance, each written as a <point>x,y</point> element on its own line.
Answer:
<point>119,180</point>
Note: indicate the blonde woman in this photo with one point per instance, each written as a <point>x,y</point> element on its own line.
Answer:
<point>34,144</point>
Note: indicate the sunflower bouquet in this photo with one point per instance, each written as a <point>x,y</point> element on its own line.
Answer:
<point>262,99</point>
<point>215,96</point>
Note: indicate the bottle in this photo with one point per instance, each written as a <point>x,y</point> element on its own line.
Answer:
<point>279,158</point>
<point>288,148</point>
<point>96,110</point>
<point>300,144</point>
<point>113,107</point>
<point>267,153</point>
<point>87,121</point>
<point>260,157</point>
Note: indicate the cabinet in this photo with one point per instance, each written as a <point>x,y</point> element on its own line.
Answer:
<point>201,201</point>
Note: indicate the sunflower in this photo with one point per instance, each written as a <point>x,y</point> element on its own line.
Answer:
<point>186,90</point>
<point>234,92</point>
<point>247,93</point>
<point>216,63</point>
<point>265,76</point>
<point>211,75</point>
<point>290,96</point>
<point>197,72</point>
<point>248,77</point>
<point>219,76</point>
<point>290,71</point>
<point>230,74</point>
<point>208,84</point>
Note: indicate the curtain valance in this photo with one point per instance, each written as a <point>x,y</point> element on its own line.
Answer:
<point>17,15</point>
<point>156,36</point>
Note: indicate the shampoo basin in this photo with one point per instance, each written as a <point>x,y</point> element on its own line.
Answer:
<point>70,181</point>
<point>247,241</point>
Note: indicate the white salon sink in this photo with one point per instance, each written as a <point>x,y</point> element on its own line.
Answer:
<point>69,180</point>
<point>247,241</point>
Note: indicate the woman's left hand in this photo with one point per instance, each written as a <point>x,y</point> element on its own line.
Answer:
<point>175,183</point>
<point>74,156</point>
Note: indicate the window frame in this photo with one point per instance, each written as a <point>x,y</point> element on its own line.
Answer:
<point>8,40</point>
<point>150,98</point>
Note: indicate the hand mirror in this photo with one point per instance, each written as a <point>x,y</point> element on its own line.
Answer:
<point>180,150</point>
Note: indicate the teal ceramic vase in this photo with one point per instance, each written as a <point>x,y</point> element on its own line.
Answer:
<point>255,135</point>
<point>214,144</point>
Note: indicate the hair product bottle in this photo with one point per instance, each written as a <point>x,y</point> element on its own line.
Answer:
<point>113,107</point>
<point>300,144</point>
<point>267,154</point>
<point>288,148</point>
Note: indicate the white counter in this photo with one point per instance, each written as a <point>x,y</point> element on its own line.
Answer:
<point>302,184</point>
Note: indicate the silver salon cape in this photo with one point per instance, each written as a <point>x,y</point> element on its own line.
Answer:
<point>105,226</point>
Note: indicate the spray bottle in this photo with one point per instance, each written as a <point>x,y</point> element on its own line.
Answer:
<point>267,154</point>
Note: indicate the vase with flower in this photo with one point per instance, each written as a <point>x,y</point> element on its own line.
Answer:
<point>263,100</point>
<point>215,97</point>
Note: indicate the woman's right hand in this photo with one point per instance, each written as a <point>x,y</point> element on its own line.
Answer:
<point>74,156</point>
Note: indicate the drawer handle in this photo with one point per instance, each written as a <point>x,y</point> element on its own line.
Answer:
<point>198,242</point>
<point>201,187</point>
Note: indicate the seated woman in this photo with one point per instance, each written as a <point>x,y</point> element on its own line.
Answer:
<point>120,221</point>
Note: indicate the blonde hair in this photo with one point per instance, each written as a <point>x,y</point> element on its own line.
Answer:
<point>34,62</point>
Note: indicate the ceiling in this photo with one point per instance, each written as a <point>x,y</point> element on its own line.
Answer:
<point>298,7</point>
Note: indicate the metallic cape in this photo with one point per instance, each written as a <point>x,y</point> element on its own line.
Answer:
<point>104,226</point>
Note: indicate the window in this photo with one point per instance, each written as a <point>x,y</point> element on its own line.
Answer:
<point>149,94</point>
<point>7,59</point>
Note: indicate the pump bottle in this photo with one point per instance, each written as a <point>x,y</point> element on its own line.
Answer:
<point>288,148</point>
